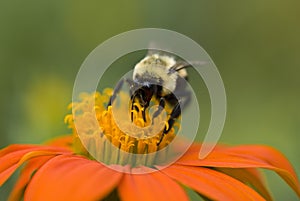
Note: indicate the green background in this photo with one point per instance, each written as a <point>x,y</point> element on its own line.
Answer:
<point>255,45</point>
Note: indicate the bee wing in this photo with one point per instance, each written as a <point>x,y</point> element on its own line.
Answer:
<point>156,51</point>
<point>155,48</point>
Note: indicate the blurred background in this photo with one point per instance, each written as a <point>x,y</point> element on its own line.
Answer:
<point>255,45</point>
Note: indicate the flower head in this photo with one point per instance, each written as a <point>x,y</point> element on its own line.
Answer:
<point>64,169</point>
<point>99,126</point>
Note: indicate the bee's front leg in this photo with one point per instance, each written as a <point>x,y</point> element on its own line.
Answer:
<point>173,116</point>
<point>115,92</point>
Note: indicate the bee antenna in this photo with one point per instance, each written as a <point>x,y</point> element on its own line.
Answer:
<point>181,65</point>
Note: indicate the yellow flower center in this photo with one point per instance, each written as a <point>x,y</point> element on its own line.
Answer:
<point>95,126</point>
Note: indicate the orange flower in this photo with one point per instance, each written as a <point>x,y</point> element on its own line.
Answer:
<point>64,170</point>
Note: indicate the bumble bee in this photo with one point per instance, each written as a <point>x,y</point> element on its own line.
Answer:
<point>161,76</point>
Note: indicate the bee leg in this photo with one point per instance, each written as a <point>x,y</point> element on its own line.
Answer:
<point>144,114</point>
<point>174,115</point>
<point>133,107</point>
<point>131,110</point>
<point>162,104</point>
<point>132,86</point>
<point>116,91</point>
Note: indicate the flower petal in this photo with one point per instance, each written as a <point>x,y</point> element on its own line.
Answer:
<point>15,155</point>
<point>249,176</point>
<point>62,141</point>
<point>150,186</point>
<point>71,178</point>
<point>6,173</point>
<point>247,156</point>
<point>14,148</point>
<point>266,154</point>
<point>212,184</point>
<point>25,176</point>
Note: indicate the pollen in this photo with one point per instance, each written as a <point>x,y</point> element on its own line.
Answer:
<point>95,125</point>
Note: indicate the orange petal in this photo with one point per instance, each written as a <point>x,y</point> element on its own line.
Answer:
<point>26,175</point>
<point>249,176</point>
<point>150,186</point>
<point>250,156</point>
<point>266,154</point>
<point>7,168</point>
<point>212,184</point>
<point>13,153</point>
<point>62,141</point>
<point>14,148</point>
<point>71,178</point>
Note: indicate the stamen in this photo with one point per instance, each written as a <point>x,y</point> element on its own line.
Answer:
<point>140,122</point>
<point>68,119</point>
<point>167,125</point>
<point>135,113</point>
<point>98,134</point>
<point>138,106</point>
